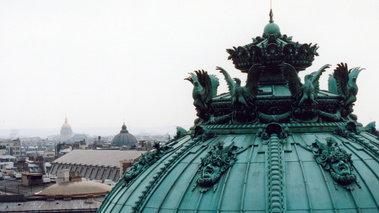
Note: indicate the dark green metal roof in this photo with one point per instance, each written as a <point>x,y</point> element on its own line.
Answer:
<point>169,185</point>
<point>273,145</point>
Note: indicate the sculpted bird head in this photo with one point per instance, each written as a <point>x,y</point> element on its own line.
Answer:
<point>193,79</point>
<point>307,78</point>
<point>238,81</point>
<point>190,79</point>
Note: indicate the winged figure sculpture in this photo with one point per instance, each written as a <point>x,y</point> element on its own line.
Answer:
<point>306,92</point>
<point>242,96</point>
<point>346,81</point>
<point>204,89</point>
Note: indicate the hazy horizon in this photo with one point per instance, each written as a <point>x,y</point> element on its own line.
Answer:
<point>92,131</point>
<point>102,63</point>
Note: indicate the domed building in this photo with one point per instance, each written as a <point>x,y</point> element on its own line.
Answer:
<point>273,145</point>
<point>75,189</point>
<point>66,131</point>
<point>124,138</point>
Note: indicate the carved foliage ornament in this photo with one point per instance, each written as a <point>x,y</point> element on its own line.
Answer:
<point>214,164</point>
<point>336,161</point>
<point>145,161</point>
<point>346,129</point>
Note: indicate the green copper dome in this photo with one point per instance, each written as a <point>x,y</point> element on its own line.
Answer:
<point>275,144</point>
<point>271,29</point>
<point>124,138</point>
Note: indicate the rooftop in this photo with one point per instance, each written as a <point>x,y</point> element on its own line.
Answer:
<point>98,157</point>
<point>274,144</point>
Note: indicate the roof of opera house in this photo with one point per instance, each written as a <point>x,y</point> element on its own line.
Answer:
<point>273,145</point>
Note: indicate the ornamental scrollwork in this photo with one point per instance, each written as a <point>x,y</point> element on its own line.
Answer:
<point>334,159</point>
<point>277,130</point>
<point>345,129</point>
<point>214,164</point>
<point>202,133</point>
<point>145,161</point>
<point>180,132</point>
<point>285,117</point>
<point>327,116</point>
<point>371,128</point>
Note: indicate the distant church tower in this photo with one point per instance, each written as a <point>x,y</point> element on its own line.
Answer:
<point>66,132</point>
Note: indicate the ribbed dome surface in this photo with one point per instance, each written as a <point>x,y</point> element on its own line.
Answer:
<point>273,145</point>
<point>124,138</point>
<point>266,175</point>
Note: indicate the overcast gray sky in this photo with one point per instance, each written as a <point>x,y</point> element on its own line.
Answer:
<point>105,62</point>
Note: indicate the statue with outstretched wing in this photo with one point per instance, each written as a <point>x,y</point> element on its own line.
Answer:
<point>346,81</point>
<point>307,92</point>
<point>242,97</point>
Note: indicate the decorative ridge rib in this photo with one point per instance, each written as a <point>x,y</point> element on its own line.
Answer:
<point>275,176</point>
<point>188,164</point>
<point>328,187</point>
<point>357,171</point>
<point>368,188</point>
<point>182,195</point>
<point>198,202</point>
<point>368,152</point>
<point>364,181</point>
<point>160,160</point>
<point>121,182</point>
<point>363,160</point>
<point>246,175</point>
<point>223,190</point>
<point>355,201</point>
<point>262,125</point>
<point>305,179</point>
<point>141,202</point>
<point>365,142</point>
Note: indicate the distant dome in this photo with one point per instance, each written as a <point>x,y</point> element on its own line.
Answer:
<point>66,131</point>
<point>76,188</point>
<point>124,138</point>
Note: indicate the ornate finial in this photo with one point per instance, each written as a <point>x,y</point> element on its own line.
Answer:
<point>123,128</point>
<point>271,13</point>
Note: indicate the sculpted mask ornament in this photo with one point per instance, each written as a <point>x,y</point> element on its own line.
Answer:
<point>214,164</point>
<point>336,161</point>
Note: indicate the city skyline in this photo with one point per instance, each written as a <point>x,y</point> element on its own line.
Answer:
<point>104,63</point>
<point>101,131</point>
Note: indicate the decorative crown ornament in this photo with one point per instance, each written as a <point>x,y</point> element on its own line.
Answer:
<point>273,49</point>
